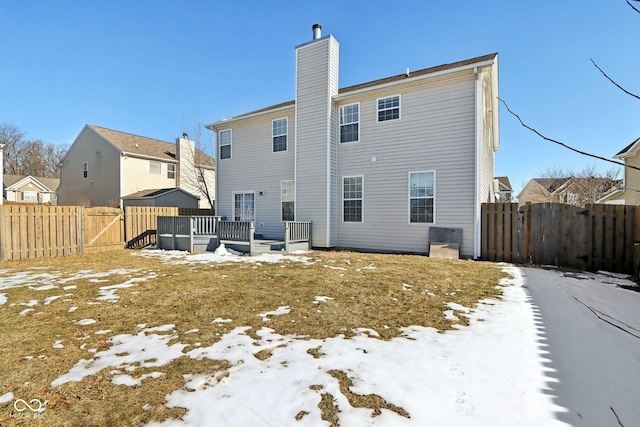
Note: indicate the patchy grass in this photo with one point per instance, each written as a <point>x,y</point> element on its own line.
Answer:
<point>377,293</point>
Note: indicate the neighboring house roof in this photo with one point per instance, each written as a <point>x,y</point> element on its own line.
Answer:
<point>135,144</point>
<point>374,83</point>
<point>629,150</point>
<point>504,183</point>
<point>551,184</point>
<point>44,184</point>
<point>154,193</point>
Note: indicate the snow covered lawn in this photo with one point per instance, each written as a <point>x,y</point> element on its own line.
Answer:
<point>333,339</point>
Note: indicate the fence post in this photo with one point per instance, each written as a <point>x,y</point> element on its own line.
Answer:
<point>527,233</point>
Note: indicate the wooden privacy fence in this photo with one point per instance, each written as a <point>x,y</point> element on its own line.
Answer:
<point>47,231</point>
<point>140,219</point>
<point>596,237</point>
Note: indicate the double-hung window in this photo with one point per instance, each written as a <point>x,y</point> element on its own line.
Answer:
<point>349,122</point>
<point>155,167</point>
<point>422,197</point>
<point>171,171</point>
<point>244,207</point>
<point>224,141</point>
<point>85,169</point>
<point>280,135</point>
<point>30,196</point>
<point>288,200</point>
<point>352,198</point>
<point>389,108</point>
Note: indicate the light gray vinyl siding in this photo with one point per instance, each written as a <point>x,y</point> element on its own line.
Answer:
<point>316,83</point>
<point>254,167</point>
<point>436,132</point>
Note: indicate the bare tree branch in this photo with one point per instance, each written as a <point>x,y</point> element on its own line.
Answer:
<point>614,82</point>
<point>632,6</point>
<point>615,162</point>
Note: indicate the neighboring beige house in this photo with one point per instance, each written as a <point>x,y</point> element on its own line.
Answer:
<point>576,191</point>
<point>629,192</point>
<point>30,189</point>
<point>373,166</point>
<point>103,166</point>
<point>502,189</point>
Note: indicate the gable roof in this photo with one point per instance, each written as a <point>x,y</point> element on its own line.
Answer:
<point>629,150</point>
<point>135,144</point>
<point>45,184</point>
<point>504,183</point>
<point>155,193</point>
<point>551,184</point>
<point>371,84</point>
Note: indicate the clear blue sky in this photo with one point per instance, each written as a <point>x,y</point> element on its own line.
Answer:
<point>158,68</point>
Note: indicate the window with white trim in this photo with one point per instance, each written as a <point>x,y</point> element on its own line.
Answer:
<point>224,141</point>
<point>30,196</point>
<point>287,192</point>
<point>85,170</point>
<point>171,171</point>
<point>155,167</point>
<point>279,135</point>
<point>244,206</point>
<point>352,198</point>
<point>422,197</point>
<point>349,122</point>
<point>389,108</point>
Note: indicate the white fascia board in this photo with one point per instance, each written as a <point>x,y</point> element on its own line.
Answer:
<point>222,122</point>
<point>145,157</point>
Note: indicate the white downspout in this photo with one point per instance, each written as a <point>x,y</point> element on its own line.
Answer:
<point>477,232</point>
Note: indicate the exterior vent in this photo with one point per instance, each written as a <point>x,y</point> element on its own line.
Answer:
<point>317,31</point>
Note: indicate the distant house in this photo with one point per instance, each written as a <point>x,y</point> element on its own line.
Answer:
<point>576,191</point>
<point>373,166</point>
<point>103,167</point>
<point>502,189</point>
<point>30,189</point>
<point>629,192</point>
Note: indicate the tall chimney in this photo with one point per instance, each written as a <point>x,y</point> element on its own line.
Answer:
<point>317,31</point>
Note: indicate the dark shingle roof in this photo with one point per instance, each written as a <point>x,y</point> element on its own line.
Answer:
<point>627,148</point>
<point>51,183</point>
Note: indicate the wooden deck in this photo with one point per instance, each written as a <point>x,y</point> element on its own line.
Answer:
<point>205,233</point>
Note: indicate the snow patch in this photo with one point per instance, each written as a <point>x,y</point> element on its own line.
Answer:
<point>84,322</point>
<point>277,312</point>
<point>6,398</point>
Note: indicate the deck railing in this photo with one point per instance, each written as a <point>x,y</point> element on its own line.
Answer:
<point>297,232</point>
<point>187,225</point>
<point>239,231</point>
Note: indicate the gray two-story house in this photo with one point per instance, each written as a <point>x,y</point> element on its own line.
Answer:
<point>373,166</point>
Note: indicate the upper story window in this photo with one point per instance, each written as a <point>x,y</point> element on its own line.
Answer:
<point>224,141</point>
<point>352,199</point>
<point>349,122</point>
<point>85,170</point>
<point>171,171</point>
<point>422,197</point>
<point>155,167</point>
<point>389,108</point>
<point>280,135</point>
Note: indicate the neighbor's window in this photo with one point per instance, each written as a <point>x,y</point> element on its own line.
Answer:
<point>225,143</point>
<point>288,200</point>
<point>85,170</point>
<point>155,167</point>
<point>349,119</point>
<point>421,197</point>
<point>389,108</point>
<point>352,198</point>
<point>280,135</point>
<point>171,171</point>
<point>244,207</point>
<point>30,196</point>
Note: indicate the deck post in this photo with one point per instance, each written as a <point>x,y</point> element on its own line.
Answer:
<point>287,225</point>
<point>252,228</point>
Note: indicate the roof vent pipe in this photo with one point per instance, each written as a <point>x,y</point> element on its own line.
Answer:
<point>317,31</point>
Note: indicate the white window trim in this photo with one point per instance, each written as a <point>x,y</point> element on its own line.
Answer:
<point>399,108</point>
<point>230,144</point>
<point>153,162</point>
<point>31,192</point>
<point>361,198</point>
<point>286,119</point>
<point>294,197</point>
<point>171,171</point>
<point>233,204</point>
<point>358,122</point>
<point>409,198</point>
